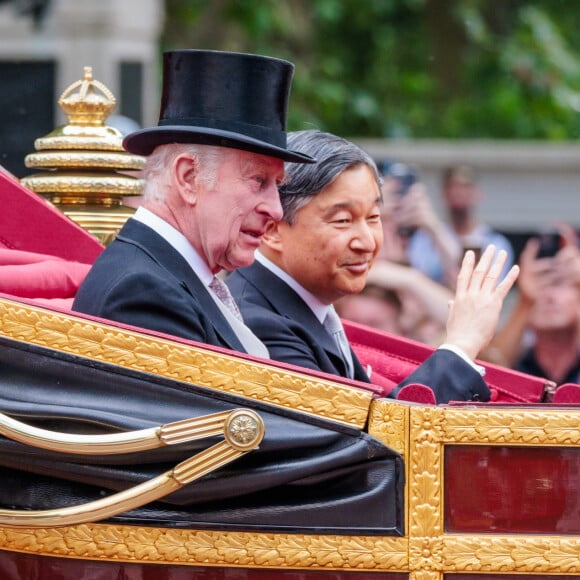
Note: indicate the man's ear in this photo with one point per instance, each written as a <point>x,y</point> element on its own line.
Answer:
<point>272,237</point>
<point>186,175</point>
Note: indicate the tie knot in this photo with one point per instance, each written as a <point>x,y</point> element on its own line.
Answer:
<point>332,322</point>
<point>333,326</point>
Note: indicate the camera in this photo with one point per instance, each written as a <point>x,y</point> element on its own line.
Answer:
<point>550,243</point>
<point>404,175</point>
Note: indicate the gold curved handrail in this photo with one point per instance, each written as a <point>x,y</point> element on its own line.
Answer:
<point>115,443</point>
<point>243,430</point>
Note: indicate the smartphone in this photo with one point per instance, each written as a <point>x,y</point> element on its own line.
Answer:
<point>550,243</point>
<point>404,175</point>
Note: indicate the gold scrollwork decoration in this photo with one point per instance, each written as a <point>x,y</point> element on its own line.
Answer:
<point>425,472</point>
<point>425,553</point>
<point>513,554</point>
<point>388,422</point>
<point>288,389</point>
<point>209,548</point>
<point>425,575</point>
<point>521,427</point>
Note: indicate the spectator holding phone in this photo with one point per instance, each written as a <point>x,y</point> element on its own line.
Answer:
<point>436,251</point>
<point>541,335</point>
<point>408,207</point>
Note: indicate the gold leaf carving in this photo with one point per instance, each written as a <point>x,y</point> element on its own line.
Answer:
<point>297,553</point>
<point>140,351</point>
<point>565,554</point>
<point>232,548</point>
<point>424,520</point>
<point>424,477</point>
<point>514,554</point>
<point>532,556</point>
<point>425,553</point>
<point>548,427</point>
<point>325,552</point>
<point>426,424</point>
<point>356,554</point>
<point>111,541</point>
<point>266,553</point>
<point>426,459</point>
<point>425,575</point>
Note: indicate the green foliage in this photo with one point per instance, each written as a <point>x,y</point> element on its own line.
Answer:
<point>417,68</point>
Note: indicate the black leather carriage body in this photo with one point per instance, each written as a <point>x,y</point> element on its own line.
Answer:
<point>308,475</point>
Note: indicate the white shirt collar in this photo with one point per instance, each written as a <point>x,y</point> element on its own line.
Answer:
<point>319,309</point>
<point>177,240</point>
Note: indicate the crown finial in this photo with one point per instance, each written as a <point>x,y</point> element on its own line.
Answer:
<point>87,173</point>
<point>87,102</point>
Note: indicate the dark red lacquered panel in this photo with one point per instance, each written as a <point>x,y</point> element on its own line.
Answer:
<point>15,566</point>
<point>504,577</point>
<point>512,489</point>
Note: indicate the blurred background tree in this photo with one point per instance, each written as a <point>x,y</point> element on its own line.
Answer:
<point>408,68</point>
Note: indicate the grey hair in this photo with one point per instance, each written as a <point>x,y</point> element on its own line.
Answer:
<point>156,170</point>
<point>333,155</point>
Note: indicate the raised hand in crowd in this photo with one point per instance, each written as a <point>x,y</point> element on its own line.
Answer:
<point>536,275</point>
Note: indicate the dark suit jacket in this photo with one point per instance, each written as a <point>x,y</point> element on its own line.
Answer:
<point>287,326</point>
<point>141,280</point>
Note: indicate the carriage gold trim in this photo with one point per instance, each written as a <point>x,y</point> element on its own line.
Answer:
<point>420,433</point>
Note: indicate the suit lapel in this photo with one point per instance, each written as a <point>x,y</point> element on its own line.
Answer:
<point>284,301</point>
<point>168,258</point>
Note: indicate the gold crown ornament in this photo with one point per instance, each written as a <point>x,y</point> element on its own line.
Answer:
<point>88,173</point>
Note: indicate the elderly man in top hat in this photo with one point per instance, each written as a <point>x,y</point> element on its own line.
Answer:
<point>215,161</point>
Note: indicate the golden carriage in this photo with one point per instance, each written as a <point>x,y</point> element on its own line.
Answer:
<point>130,454</point>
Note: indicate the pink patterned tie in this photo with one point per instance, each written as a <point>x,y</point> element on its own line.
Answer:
<point>223,293</point>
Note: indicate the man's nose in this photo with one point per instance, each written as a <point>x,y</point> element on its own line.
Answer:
<point>365,238</point>
<point>271,204</point>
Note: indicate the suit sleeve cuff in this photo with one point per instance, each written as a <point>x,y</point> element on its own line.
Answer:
<point>460,353</point>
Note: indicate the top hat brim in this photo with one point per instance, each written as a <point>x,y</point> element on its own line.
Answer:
<point>144,141</point>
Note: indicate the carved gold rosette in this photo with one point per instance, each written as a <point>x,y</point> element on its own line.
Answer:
<point>88,173</point>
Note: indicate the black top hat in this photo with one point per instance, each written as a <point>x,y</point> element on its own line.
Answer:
<point>222,98</point>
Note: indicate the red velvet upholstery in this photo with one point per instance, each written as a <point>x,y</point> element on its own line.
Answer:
<point>417,393</point>
<point>28,222</point>
<point>31,275</point>
<point>393,358</point>
<point>567,393</point>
